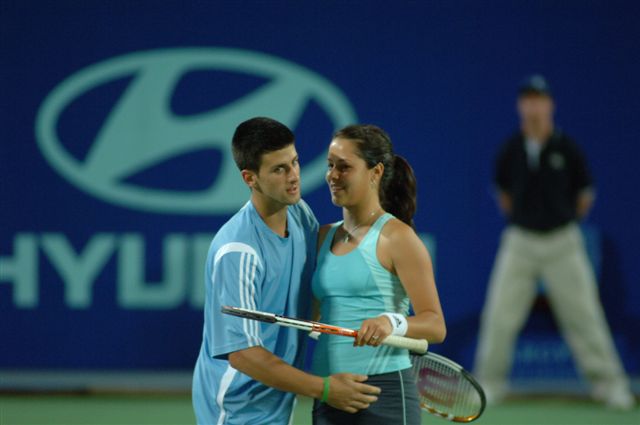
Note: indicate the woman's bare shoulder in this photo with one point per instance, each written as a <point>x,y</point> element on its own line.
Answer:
<point>397,230</point>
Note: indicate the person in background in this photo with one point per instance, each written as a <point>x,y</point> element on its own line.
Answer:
<point>544,189</point>
<point>263,259</point>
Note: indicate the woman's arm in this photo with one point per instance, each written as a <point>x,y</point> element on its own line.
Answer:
<point>402,252</point>
<point>412,264</point>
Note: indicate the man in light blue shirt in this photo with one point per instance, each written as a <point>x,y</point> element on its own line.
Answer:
<point>248,372</point>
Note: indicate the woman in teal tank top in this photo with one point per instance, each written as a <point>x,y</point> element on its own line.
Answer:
<point>371,267</point>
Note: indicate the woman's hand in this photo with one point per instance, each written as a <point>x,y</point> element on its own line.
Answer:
<point>373,331</point>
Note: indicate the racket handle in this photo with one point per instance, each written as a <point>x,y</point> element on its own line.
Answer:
<point>416,345</point>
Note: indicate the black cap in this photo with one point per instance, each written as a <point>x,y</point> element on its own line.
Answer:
<point>534,84</point>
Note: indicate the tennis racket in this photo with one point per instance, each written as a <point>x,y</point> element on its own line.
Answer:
<point>446,389</point>
<point>416,345</point>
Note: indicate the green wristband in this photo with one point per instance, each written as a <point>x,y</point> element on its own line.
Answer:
<point>325,390</point>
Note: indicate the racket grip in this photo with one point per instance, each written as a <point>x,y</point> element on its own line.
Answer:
<point>416,345</point>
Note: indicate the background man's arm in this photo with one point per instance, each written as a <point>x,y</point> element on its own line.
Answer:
<point>584,202</point>
<point>504,202</point>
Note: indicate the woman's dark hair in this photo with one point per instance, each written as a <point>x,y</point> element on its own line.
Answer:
<point>255,137</point>
<point>398,184</point>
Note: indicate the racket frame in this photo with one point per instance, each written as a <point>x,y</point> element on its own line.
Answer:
<point>464,374</point>
<point>416,345</point>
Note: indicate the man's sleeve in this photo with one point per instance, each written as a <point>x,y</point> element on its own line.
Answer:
<point>236,280</point>
<point>581,177</point>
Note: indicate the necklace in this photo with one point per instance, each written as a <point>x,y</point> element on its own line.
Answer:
<point>349,234</point>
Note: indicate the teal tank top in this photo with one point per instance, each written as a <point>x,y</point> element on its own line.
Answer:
<point>351,288</point>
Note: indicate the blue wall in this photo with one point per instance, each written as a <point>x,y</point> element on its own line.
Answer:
<point>440,77</point>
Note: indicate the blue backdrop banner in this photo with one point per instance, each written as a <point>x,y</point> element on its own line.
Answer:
<point>116,120</point>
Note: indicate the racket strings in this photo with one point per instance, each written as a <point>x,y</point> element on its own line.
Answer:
<point>445,391</point>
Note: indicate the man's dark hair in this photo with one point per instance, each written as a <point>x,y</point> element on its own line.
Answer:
<point>257,136</point>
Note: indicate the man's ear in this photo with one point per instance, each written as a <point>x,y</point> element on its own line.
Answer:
<point>249,177</point>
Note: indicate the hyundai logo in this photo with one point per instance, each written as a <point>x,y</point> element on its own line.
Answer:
<point>140,130</point>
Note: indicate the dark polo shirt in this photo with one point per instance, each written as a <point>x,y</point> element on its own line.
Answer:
<point>544,195</point>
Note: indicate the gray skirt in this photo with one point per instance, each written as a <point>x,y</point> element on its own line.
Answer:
<point>397,404</point>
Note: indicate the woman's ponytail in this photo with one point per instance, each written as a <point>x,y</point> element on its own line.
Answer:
<point>398,192</point>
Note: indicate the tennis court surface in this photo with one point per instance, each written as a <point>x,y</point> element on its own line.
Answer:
<point>112,409</point>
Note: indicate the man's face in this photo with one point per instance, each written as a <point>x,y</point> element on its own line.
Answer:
<point>278,179</point>
<point>535,110</point>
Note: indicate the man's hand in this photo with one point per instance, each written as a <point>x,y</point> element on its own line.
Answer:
<point>347,392</point>
<point>584,203</point>
<point>505,203</point>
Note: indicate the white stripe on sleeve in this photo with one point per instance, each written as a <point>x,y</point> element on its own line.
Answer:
<point>249,261</point>
<point>235,247</point>
<point>250,301</point>
<point>225,383</point>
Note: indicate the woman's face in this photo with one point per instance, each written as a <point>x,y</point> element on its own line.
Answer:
<point>349,179</point>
